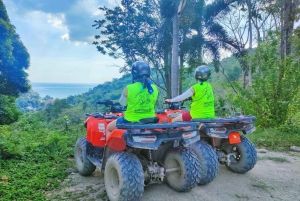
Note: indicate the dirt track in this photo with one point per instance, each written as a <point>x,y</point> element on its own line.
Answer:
<point>276,176</point>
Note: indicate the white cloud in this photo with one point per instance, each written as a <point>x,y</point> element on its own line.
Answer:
<point>53,57</point>
<point>57,21</point>
<point>97,13</point>
<point>65,37</point>
<point>77,43</point>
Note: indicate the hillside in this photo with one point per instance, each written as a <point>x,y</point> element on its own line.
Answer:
<point>112,90</point>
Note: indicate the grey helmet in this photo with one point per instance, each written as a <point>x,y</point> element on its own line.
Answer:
<point>202,73</point>
<point>139,69</point>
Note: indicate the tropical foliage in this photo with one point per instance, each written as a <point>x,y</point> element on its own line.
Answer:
<point>263,80</point>
<point>14,59</point>
<point>275,84</point>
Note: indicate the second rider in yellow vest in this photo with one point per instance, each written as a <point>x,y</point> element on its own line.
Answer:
<point>202,96</point>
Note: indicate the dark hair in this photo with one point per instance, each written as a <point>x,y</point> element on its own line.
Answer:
<point>145,81</point>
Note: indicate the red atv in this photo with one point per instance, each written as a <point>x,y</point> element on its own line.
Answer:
<point>206,154</point>
<point>224,135</point>
<point>138,154</point>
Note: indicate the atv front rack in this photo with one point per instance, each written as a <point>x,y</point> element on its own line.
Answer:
<point>151,136</point>
<point>222,127</point>
<point>101,115</point>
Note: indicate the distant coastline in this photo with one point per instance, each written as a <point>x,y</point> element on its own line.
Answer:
<point>61,90</point>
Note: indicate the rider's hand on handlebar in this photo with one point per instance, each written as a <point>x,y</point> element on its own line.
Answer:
<point>167,101</point>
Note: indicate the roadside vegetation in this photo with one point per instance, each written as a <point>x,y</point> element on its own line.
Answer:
<point>37,135</point>
<point>36,153</point>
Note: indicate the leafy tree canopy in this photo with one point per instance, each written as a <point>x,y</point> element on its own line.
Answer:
<point>14,60</point>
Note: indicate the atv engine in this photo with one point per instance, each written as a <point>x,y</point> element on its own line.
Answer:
<point>153,173</point>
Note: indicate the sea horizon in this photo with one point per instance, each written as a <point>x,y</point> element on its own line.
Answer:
<point>62,83</point>
<point>61,90</point>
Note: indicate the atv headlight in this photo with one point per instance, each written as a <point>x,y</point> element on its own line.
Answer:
<point>189,135</point>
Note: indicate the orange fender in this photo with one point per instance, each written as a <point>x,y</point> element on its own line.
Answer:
<point>116,141</point>
<point>96,131</point>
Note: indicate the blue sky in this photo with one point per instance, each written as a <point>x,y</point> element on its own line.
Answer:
<point>58,35</point>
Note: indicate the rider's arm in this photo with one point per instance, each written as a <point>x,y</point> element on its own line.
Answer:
<point>123,98</point>
<point>183,96</point>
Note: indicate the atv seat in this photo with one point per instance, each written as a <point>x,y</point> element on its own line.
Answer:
<point>151,120</point>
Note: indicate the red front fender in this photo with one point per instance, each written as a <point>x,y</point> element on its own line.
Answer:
<point>116,141</point>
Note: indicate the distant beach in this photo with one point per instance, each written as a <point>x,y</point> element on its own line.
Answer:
<point>61,90</point>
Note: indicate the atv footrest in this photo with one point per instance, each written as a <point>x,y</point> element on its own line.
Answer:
<point>95,154</point>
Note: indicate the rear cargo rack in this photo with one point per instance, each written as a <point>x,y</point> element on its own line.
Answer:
<point>226,120</point>
<point>222,127</point>
<point>158,126</point>
<point>159,133</point>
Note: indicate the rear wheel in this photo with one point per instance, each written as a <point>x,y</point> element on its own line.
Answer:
<point>123,177</point>
<point>243,155</point>
<point>84,166</point>
<point>208,159</point>
<point>183,169</point>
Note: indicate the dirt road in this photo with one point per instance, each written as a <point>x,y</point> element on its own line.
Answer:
<point>276,176</point>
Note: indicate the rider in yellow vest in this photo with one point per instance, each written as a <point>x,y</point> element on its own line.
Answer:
<point>140,97</point>
<point>202,96</point>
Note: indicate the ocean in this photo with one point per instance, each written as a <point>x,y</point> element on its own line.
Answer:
<point>61,90</point>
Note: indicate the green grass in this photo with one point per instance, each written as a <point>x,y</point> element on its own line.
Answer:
<point>261,185</point>
<point>274,139</point>
<point>102,195</point>
<point>276,159</point>
<point>244,197</point>
<point>34,159</point>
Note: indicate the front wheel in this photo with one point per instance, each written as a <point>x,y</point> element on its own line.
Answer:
<point>84,166</point>
<point>183,169</point>
<point>123,177</point>
<point>243,155</point>
<point>208,159</point>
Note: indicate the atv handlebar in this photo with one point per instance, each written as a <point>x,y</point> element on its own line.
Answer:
<point>105,102</point>
<point>114,107</point>
<point>100,115</point>
<point>177,105</point>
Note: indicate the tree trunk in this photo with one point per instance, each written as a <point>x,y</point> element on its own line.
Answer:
<point>181,74</point>
<point>282,52</point>
<point>167,71</point>
<point>175,66</point>
<point>287,24</point>
<point>249,3</point>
